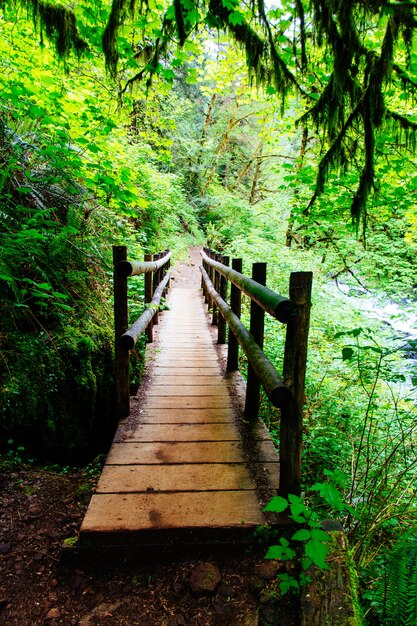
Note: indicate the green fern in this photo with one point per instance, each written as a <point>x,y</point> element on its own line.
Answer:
<point>399,589</point>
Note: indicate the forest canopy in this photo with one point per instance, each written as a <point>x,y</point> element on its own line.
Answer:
<point>352,63</point>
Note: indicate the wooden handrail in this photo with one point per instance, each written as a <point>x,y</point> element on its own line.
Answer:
<point>286,392</point>
<point>130,337</point>
<point>156,282</point>
<point>279,307</point>
<point>273,384</point>
<point>134,268</point>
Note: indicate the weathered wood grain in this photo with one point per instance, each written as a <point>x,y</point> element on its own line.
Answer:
<point>151,478</point>
<point>178,432</point>
<point>175,452</point>
<point>118,512</point>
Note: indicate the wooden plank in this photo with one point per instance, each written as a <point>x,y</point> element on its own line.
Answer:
<point>183,370</point>
<point>185,415</point>
<point>146,478</point>
<point>132,512</point>
<point>191,379</point>
<point>161,452</point>
<point>178,432</point>
<point>197,362</point>
<point>157,390</point>
<point>178,402</point>
<point>202,353</point>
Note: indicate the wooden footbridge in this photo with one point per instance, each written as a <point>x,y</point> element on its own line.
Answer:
<point>187,463</point>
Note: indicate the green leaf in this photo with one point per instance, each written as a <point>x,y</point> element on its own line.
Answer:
<point>330,494</point>
<point>276,505</point>
<point>320,535</point>
<point>280,553</point>
<point>236,18</point>
<point>347,353</point>
<point>302,535</point>
<point>317,551</point>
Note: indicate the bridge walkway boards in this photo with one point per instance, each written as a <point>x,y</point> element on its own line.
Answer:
<point>178,472</point>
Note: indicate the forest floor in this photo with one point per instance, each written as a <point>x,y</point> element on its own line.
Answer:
<point>40,509</point>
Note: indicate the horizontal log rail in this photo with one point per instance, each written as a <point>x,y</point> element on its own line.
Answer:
<point>286,392</point>
<point>274,386</point>
<point>130,337</point>
<point>279,307</point>
<point>135,268</point>
<point>157,278</point>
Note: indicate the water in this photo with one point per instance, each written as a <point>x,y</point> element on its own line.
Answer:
<point>401,318</point>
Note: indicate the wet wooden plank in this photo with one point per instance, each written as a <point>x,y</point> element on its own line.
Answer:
<point>176,452</point>
<point>133,512</point>
<point>179,432</point>
<point>201,477</point>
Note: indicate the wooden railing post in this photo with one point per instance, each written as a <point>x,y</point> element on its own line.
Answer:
<point>121,354</point>
<point>221,322</point>
<point>256,329</point>
<point>295,360</point>
<point>216,281</point>
<point>148,297</point>
<point>236,306</point>
<point>155,282</point>
<point>211,303</point>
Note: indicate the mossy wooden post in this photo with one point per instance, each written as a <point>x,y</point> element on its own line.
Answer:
<point>148,297</point>
<point>256,329</point>
<point>236,306</point>
<point>155,283</point>
<point>121,354</point>
<point>221,322</point>
<point>294,371</point>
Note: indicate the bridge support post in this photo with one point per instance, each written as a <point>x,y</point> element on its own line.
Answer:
<point>121,354</point>
<point>155,282</point>
<point>256,329</point>
<point>295,361</point>
<point>236,306</point>
<point>221,323</point>
<point>148,297</point>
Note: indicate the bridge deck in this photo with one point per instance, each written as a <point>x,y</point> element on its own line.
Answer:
<point>180,465</point>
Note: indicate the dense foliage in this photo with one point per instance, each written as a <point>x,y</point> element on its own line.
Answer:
<point>194,149</point>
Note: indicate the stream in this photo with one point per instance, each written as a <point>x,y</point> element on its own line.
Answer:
<point>400,318</point>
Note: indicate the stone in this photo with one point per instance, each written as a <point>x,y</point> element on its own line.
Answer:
<point>53,613</point>
<point>268,569</point>
<point>5,548</point>
<point>205,578</point>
